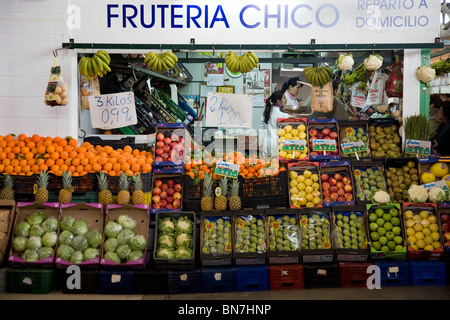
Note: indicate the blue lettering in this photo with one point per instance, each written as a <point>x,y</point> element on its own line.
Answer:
<point>360,5</point>
<point>176,16</point>
<point>422,24</point>
<point>412,4</point>
<point>99,101</point>
<point>109,15</point>
<point>215,18</point>
<point>130,19</point>
<point>110,101</point>
<point>395,23</point>
<point>143,15</point>
<point>383,4</point>
<point>267,16</point>
<point>423,3</point>
<point>241,16</point>
<point>360,22</point>
<point>293,16</point>
<point>163,9</point>
<point>336,13</point>
<point>193,18</point>
<point>105,112</point>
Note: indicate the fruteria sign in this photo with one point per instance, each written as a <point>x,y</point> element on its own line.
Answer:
<point>254,22</point>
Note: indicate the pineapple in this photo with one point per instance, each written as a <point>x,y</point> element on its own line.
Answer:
<point>123,197</point>
<point>137,196</point>
<point>7,192</point>
<point>104,195</point>
<point>65,194</point>
<point>234,201</point>
<point>220,202</point>
<point>42,192</point>
<point>207,202</point>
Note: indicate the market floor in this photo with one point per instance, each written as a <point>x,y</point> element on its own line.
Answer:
<point>356,293</point>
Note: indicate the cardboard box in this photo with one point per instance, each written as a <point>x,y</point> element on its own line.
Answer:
<point>7,214</point>
<point>23,209</point>
<point>141,214</point>
<point>92,213</point>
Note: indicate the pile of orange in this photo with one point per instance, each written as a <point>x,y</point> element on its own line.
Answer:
<point>25,155</point>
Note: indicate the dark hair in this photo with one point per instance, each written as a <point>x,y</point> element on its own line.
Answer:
<point>291,82</point>
<point>445,105</point>
<point>435,99</point>
<point>335,84</point>
<point>274,97</point>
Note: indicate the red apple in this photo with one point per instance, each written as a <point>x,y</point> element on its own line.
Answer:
<point>169,206</point>
<point>325,186</point>
<point>163,194</point>
<point>177,195</point>
<point>160,136</point>
<point>174,137</point>
<point>348,196</point>
<point>327,199</point>
<point>159,144</point>
<point>326,193</point>
<point>177,187</point>
<point>348,188</point>
<point>159,151</point>
<point>445,227</point>
<point>156,198</point>
<point>170,191</point>
<point>156,190</point>
<point>157,183</point>
<point>341,192</point>
<point>333,189</point>
<point>165,156</point>
<point>332,181</point>
<point>319,135</point>
<point>326,131</point>
<point>333,135</point>
<point>339,185</point>
<point>163,203</point>
<point>164,187</point>
<point>171,183</point>
<point>156,206</point>
<point>177,203</point>
<point>169,199</point>
<point>447,244</point>
<point>312,131</point>
<point>338,176</point>
<point>445,217</point>
<point>173,144</point>
<point>446,236</point>
<point>314,153</point>
<point>324,177</point>
<point>334,196</point>
<point>167,140</point>
<point>166,148</point>
<point>341,199</point>
<point>346,180</point>
<point>159,158</point>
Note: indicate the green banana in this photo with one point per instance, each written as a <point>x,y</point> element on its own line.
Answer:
<point>106,55</point>
<point>102,57</point>
<point>95,67</point>
<point>82,67</point>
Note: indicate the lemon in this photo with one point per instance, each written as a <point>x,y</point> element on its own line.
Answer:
<point>301,128</point>
<point>288,136</point>
<point>420,244</point>
<point>309,197</point>
<point>303,156</point>
<point>434,227</point>
<point>288,128</point>
<point>317,200</point>
<point>417,217</point>
<point>418,227</point>
<point>424,214</point>
<point>432,218</point>
<point>302,194</point>
<point>439,169</point>
<point>409,214</point>
<point>294,132</point>
<point>428,240</point>
<point>428,247</point>
<point>309,182</point>
<point>302,135</point>
<point>446,178</point>
<point>301,178</point>
<point>281,132</point>
<point>302,201</point>
<point>427,177</point>
<point>301,186</point>
<point>419,235</point>
<point>426,231</point>
<point>294,190</point>
<point>425,223</point>
<point>309,189</point>
<point>293,174</point>
<point>310,204</point>
<point>411,239</point>
<point>283,154</point>
<point>436,245</point>
<point>316,193</point>
<point>315,186</point>
<point>414,246</point>
<point>410,232</point>
<point>435,236</point>
<point>315,177</point>
<point>409,223</point>
<point>296,204</point>
<point>293,183</point>
<point>307,174</point>
<point>289,156</point>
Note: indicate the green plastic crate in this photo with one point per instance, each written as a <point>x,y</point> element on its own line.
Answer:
<point>29,280</point>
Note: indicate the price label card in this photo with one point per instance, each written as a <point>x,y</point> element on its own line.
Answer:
<point>324,145</point>
<point>440,184</point>
<point>227,169</point>
<point>110,111</point>
<point>353,147</point>
<point>293,145</point>
<point>419,147</point>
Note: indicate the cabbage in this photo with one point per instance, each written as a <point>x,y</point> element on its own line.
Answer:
<point>94,238</point>
<point>183,224</point>
<point>30,255</point>
<point>46,252</point>
<point>111,244</point>
<point>76,257</point>
<point>34,243</point>
<point>112,256</point>
<point>134,255</point>
<point>138,242</point>
<point>91,253</point>
<point>124,236</point>
<point>19,244</point>
<point>65,237</point>
<point>183,253</point>
<point>36,217</point>
<point>36,230</point>
<point>112,229</point>
<point>165,253</point>
<point>65,252</point>
<point>67,223</point>
<point>80,227</point>
<point>184,240</point>
<point>49,239</point>
<point>127,222</point>
<point>50,224</point>
<point>22,229</point>
<point>166,225</point>
<point>123,251</point>
<point>79,243</point>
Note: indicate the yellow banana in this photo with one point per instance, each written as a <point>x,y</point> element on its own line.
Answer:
<point>102,57</point>
<point>168,61</point>
<point>151,63</point>
<point>148,56</point>
<point>172,55</point>
<point>90,70</point>
<point>255,57</point>
<point>106,54</point>
<point>99,62</point>
<point>251,56</point>
<point>82,67</point>
<point>94,66</point>
<point>232,64</point>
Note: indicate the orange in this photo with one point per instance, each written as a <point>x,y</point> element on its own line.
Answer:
<point>22,136</point>
<point>2,168</point>
<point>41,149</point>
<point>9,169</point>
<point>54,168</point>
<point>51,149</point>
<point>56,139</point>
<point>76,161</point>
<point>108,149</point>
<point>64,155</point>
<point>62,142</point>
<point>127,149</point>
<point>97,167</point>
<point>88,168</point>
<point>108,166</point>
<point>79,168</point>
<point>136,167</point>
<point>129,173</point>
<point>117,167</point>
<point>35,138</point>
<point>35,168</point>
<point>73,142</point>
<point>125,166</point>
<point>17,169</point>
<point>59,162</point>
<point>54,155</point>
<point>84,161</point>
<point>146,167</point>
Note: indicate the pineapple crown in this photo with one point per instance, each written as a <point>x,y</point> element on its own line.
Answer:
<point>123,181</point>
<point>234,188</point>
<point>137,182</point>
<point>8,182</point>
<point>102,181</point>
<point>66,179</point>
<point>223,184</point>
<point>207,184</point>
<point>43,179</point>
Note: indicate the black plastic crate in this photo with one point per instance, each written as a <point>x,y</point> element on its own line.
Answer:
<point>80,184</point>
<point>89,280</point>
<point>30,280</point>
<point>184,281</point>
<point>193,192</point>
<point>218,279</point>
<point>115,282</point>
<point>321,275</point>
<point>114,143</point>
<point>113,183</point>
<point>151,281</point>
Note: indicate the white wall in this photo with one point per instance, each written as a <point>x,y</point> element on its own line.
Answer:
<point>29,32</point>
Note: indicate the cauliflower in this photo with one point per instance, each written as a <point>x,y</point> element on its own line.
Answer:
<point>436,194</point>
<point>381,197</point>
<point>417,193</point>
<point>373,62</point>
<point>184,240</point>
<point>345,61</point>
<point>426,74</point>
<point>166,225</point>
<point>183,224</point>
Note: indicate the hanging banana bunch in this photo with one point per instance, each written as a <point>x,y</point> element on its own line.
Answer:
<point>160,63</point>
<point>243,64</point>
<point>318,76</point>
<point>97,65</point>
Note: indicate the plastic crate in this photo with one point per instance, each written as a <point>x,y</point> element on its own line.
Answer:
<point>286,276</point>
<point>88,197</point>
<point>80,184</point>
<point>193,192</point>
<point>29,280</point>
<point>114,143</point>
<point>3,279</point>
<point>252,278</point>
<point>394,273</point>
<point>321,275</point>
<point>113,183</point>
<point>218,279</point>
<point>428,273</point>
<point>115,282</point>
<point>353,274</point>
<point>89,280</point>
<point>265,192</point>
<point>150,281</point>
<point>184,281</point>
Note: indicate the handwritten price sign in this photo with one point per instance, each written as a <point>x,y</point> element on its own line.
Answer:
<point>110,111</point>
<point>229,110</point>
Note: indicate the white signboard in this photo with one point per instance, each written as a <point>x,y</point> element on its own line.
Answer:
<point>254,22</point>
<point>110,111</point>
<point>229,110</point>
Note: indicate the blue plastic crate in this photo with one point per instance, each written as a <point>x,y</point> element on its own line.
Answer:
<point>184,281</point>
<point>115,282</point>
<point>217,279</point>
<point>252,278</point>
<point>428,273</point>
<point>394,273</point>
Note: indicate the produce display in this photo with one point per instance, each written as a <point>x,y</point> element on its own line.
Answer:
<point>422,228</point>
<point>304,187</point>
<point>122,244</point>
<point>350,230</point>
<point>292,137</point>
<point>400,176</point>
<point>76,242</point>
<point>385,141</point>
<point>250,234</point>
<point>169,147</point>
<point>175,238</point>
<point>323,132</point>
<point>368,180</point>
<point>166,193</point>
<point>445,226</point>
<point>353,134</point>
<point>284,233</point>
<point>435,172</point>
<point>216,235</point>
<point>337,186</point>
<point>35,238</point>
<point>315,231</point>
<point>385,229</point>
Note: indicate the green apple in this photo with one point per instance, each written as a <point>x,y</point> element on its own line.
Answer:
<point>398,240</point>
<point>393,212</point>
<point>398,247</point>
<point>387,217</point>
<point>372,217</point>
<point>390,235</point>
<point>380,222</point>
<point>384,248</point>
<point>397,230</point>
<point>374,236</point>
<point>373,226</point>
<point>388,226</point>
<point>381,231</point>
<point>395,221</point>
<point>383,240</point>
<point>339,216</point>
<point>376,245</point>
<point>379,212</point>
<point>391,245</point>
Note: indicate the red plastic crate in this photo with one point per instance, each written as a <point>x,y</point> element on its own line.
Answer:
<point>286,276</point>
<point>353,274</point>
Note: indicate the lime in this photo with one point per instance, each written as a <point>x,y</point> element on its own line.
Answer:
<point>373,226</point>
<point>390,235</point>
<point>388,226</point>
<point>398,248</point>
<point>386,217</point>
<point>384,248</point>
<point>393,212</point>
<point>391,245</point>
<point>381,231</point>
